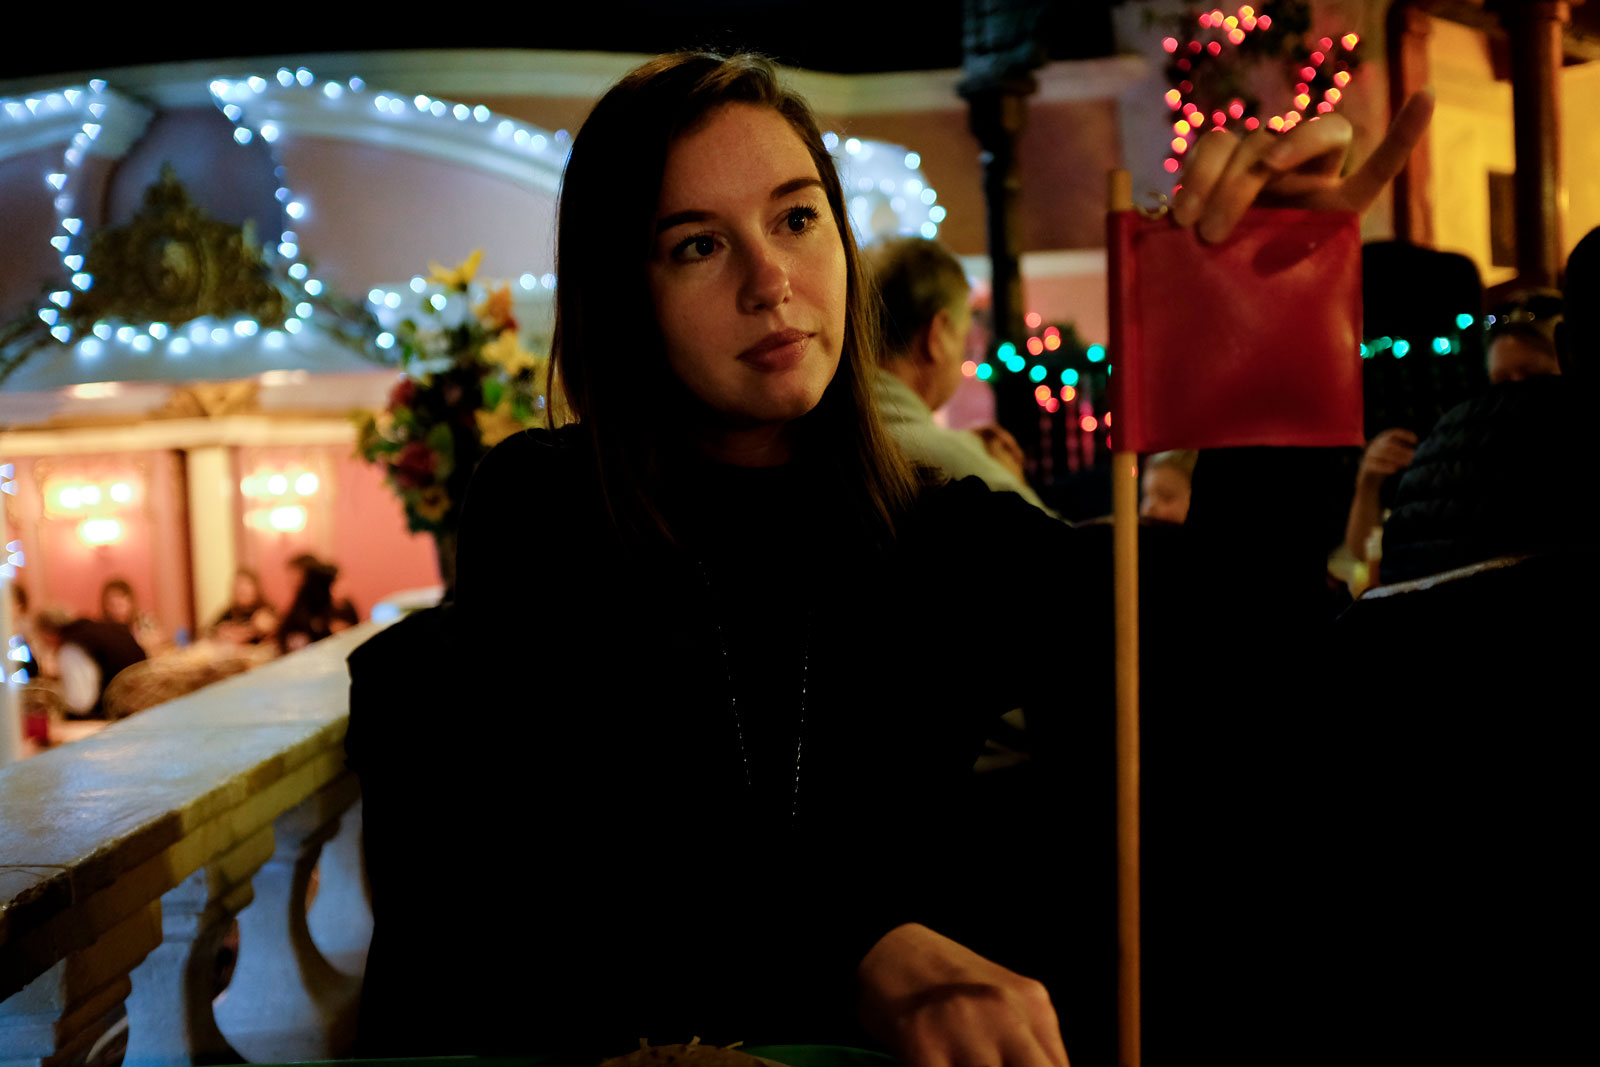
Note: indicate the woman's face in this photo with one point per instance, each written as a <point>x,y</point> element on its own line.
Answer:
<point>747,272</point>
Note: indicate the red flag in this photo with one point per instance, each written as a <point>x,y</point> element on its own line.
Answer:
<point>1252,341</point>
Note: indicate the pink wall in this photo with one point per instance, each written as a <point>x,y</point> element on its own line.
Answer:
<point>359,232</point>
<point>353,520</point>
<point>151,555</point>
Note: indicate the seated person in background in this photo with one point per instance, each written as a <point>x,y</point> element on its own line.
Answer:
<point>1522,338</point>
<point>1578,332</point>
<point>314,613</point>
<point>118,604</point>
<point>249,620</point>
<point>1164,485</point>
<point>1496,477</point>
<point>924,321</point>
<point>89,654</point>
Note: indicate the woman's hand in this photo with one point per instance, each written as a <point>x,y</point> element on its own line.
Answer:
<point>936,1003</point>
<point>1227,174</point>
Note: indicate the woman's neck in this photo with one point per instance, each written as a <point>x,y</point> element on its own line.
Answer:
<point>760,446</point>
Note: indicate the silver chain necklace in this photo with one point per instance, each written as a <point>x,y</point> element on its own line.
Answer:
<point>733,698</point>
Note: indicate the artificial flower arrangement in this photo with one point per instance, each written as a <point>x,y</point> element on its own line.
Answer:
<point>466,385</point>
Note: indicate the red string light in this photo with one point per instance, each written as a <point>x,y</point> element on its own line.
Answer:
<point>1234,28</point>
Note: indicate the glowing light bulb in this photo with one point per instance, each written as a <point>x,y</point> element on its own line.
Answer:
<point>1349,41</point>
<point>121,492</point>
<point>1096,353</point>
<point>1037,372</point>
<point>277,485</point>
<point>1032,319</point>
<point>1069,376</point>
<point>1042,393</point>
<point>985,372</point>
<point>968,368</point>
<point>99,531</point>
<point>1089,424</point>
<point>1463,321</point>
<point>1035,346</point>
<point>1401,348</point>
<point>306,484</point>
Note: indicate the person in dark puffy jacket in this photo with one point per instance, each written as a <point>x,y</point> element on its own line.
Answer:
<point>1495,477</point>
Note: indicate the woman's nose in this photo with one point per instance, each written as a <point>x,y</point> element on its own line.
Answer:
<point>766,281</point>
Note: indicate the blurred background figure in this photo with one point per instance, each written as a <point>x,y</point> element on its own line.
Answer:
<point>1164,485</point>
<point>249,620</point>
<point>1521,341</point>
<point>924,320</point>
<point>1355,561</point>
<point>1578,332</point>
<point>119,605</point>
<point>89,653</point>
<point>315,612</point>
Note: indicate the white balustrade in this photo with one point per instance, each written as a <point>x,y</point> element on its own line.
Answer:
<point>126,857</point>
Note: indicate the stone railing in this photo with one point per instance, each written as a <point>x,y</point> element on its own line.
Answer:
<point>126,857</point>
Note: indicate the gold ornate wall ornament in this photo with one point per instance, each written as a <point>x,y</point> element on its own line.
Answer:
<point>172,263</point>
<point>206,400</point>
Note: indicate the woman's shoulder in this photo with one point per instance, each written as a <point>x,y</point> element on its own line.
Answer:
<point>536,451</point>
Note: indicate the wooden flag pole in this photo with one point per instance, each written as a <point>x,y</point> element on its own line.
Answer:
<point>1125,572</point>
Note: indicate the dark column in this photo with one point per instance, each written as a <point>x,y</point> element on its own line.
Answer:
<point>1000,51</point>
<point>1535,28</point>
<point>1407,31</point>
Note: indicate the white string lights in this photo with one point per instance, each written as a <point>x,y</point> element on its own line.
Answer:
<point>884,189</point>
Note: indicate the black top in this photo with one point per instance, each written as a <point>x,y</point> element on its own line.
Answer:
<point>732,766</point>
<point>1506,473</point>
<point>110,644</point>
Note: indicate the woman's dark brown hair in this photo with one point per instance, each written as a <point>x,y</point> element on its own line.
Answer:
<point>608,352</point>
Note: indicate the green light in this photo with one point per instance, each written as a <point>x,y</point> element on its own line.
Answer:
<point>1069,377</point>
<point>1007,351</point>
<point>1096,353</point>
<point>1401,347</point>
<point>985,372</point>
<point>1463,320</point>
<point>1038,372</point>
<point>1381,343</point>
<point>1366,353</point>
<point>1441,345</point>
<point>1015,363</point>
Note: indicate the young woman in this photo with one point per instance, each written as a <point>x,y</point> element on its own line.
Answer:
<point>733,710</point>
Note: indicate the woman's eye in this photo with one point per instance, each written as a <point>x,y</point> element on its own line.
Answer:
<point>800,218</point>
<point>698,247</point>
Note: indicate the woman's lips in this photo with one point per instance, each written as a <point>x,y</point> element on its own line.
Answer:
<point>778,351</point>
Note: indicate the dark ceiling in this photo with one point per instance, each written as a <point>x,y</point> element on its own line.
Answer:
<point>866,35</point>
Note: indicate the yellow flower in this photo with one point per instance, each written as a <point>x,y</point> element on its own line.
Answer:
<point>497,425</point>
<point>432,503</point>
<point>462,276</point>
<point>495,311</point>
<point>505,352</point>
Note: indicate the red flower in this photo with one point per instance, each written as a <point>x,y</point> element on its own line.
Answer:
<point>403,393</point>
<point>414,466</point>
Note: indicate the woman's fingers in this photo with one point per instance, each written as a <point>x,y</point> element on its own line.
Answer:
<point>1206,164</point>
<point>1390,157</point>
<point>1246,174</point>
<point>1226,175</point>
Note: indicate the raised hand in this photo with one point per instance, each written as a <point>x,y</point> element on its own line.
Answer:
<point>1227,174</point>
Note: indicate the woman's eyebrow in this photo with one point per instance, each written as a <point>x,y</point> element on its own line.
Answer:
<point>679,218</point>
